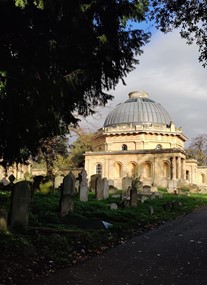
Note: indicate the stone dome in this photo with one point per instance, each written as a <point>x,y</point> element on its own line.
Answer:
<point>138,109</point>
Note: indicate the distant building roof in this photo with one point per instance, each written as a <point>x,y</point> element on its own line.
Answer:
<point>138,109</point>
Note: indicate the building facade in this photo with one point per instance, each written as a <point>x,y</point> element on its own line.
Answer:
<point>139,138</point>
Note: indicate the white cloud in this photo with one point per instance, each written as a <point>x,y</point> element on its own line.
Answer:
<point>170,73</point>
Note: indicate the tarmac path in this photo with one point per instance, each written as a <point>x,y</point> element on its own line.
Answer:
<point>172,254</point>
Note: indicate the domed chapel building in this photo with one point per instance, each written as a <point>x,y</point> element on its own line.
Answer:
<point>139,138</point>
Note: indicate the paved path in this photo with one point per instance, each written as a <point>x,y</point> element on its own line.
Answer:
<point>174,253</point>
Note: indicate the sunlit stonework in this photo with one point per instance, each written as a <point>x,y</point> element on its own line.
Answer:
<point>139,138</point>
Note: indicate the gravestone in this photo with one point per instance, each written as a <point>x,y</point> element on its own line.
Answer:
<point>68,184</point>
<point>20,201</point>
<point>99,189</point>
<point>77,186</point>
<point>143,198</point>
<point>67,190</point>
<point>147,188</point>
<point>111,182</point>
<point>126,183</point>
<point>113,206</point>
<point>172,185</point>
<point>133,197</point>
<point>94,177</point>
<point>105,188</point>
<point>84,187</point>
<point>66,205</point>
<point>151,210</point>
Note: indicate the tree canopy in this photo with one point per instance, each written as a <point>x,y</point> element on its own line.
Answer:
<point>187,15</point>
<point>60,57</point>
<point>198,149</point>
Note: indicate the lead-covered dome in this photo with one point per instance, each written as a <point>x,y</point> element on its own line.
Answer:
<point>138,109</point>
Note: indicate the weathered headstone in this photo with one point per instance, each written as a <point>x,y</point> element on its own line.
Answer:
<point>66,204</point>
<point>105,188</point>
<point>133,197</point>
<point>84,187</point>
<point>172,185</point>
<point>126,183</point>
<point>20,201</point>
<point>77,186</point>
<point>99,189</point>
<point>143,198</point>
<point>68,184</point>
<point>151,210</point>
<point>113,206</point>
<point>147,188</point>
<point>93,179</point>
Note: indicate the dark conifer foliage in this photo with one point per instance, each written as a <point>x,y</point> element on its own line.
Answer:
<point>59,57</point>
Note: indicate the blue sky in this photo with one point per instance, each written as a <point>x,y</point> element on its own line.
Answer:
<point>170,73</point>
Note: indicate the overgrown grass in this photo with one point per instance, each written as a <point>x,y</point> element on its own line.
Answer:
<point>52,242</point>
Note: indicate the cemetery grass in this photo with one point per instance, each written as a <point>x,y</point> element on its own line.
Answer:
<point>52,242</point>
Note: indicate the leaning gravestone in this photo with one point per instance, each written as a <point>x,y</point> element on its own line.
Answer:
<point>99,189</point>
<point>105,188</point>
<point>83,186</point>
<point>20,201</point>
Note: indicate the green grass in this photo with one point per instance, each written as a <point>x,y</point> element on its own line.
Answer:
<point>52,242</point>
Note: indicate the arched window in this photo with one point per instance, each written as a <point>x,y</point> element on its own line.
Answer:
<point>132,169</point>
<point>202,178</point>
<point>166,170</point>
<point>124,147</point>
<point>159,146</point>
<point>147,170</point>
<point>98,168</point>
<point>118,170</point>
<point>187,175</point>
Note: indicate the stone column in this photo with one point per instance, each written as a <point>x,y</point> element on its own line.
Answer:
<point>179,167</point>
<point>174,168</point>
<point>183,168</point>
